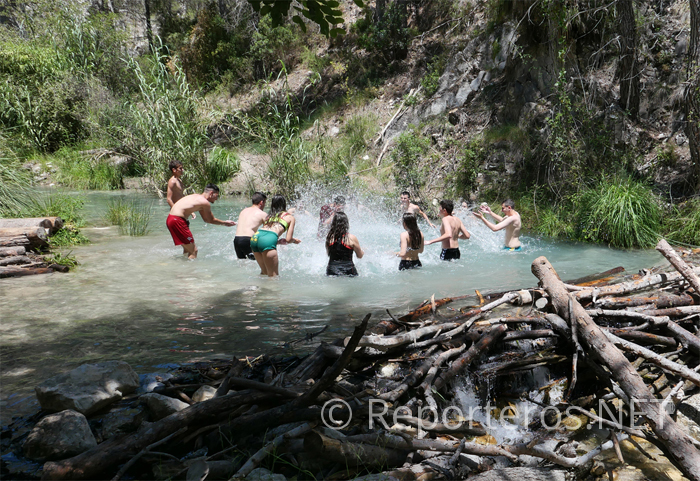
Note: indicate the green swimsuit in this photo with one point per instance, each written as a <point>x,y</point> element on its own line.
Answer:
<point>266,240</point>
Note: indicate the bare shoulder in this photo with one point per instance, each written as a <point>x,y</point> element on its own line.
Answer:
<point>413,209</point>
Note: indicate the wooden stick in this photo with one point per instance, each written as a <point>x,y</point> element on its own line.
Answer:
<point>257,458</point>
<point>669,253</point>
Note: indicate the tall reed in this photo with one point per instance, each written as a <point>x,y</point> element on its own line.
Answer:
<point>132,217</point>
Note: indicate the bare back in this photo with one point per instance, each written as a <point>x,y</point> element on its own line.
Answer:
<point>249,220</point>
<point>190,204</point>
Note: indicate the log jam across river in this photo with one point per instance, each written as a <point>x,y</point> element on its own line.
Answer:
<point>137,299</point>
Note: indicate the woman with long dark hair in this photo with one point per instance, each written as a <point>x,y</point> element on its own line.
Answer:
<point>412,243</point>
<point>340,245</point>
<point>264,241</point>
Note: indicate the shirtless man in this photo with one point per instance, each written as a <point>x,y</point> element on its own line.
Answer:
<point>326,216</point>
<point>175,187</point>
<point>179,226</point>
<point>451,230</point>
<point>408,207</point>
<point>510,222</point>
<point>249,220</point>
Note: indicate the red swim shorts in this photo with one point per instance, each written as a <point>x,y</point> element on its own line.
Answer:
<point>180,230</point>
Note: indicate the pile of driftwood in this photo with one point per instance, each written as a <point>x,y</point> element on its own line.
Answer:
<point>20,239</point>
<point>336,414</point>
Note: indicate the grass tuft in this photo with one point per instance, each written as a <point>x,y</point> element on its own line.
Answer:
<point>132,217</point>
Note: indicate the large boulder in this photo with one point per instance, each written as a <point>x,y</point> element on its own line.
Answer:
<point>161,406</point>
<point>88,388</point>
<point>59,436</point>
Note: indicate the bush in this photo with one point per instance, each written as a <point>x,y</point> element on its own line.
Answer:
<point>389,38</point>
<point>683,225</point>
<point>15,196</point>
<point>221,165</point>
<point>408,153</point>
<point>81,172</point>
<point>620,212</point>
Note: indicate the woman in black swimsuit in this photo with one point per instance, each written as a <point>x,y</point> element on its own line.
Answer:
<point>412,243</point>
<point>339,246</point>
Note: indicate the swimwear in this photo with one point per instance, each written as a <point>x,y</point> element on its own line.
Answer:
<point>450,254</point>
<point>513,249</point>
<point>340,260</point>
<point>278,218</point>
<point>263,240</point>
<point>242,246</point>
<point>407,264</point>
<point>180,230</point>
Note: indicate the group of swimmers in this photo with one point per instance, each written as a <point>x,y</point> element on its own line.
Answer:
<point>258,233</point>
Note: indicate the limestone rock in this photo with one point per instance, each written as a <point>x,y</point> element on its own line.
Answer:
<point>88,388</point>
<point>203,393</point>
<point>521,474</point>
<point>162,406</point>
<point>59,436</point>
<point>262,474</point>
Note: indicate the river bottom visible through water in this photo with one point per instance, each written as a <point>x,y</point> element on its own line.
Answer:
<point>137,299</point>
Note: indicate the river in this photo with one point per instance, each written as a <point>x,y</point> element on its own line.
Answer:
<point>139,300</point>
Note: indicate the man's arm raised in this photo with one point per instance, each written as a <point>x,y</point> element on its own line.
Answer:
<point>209,218</point>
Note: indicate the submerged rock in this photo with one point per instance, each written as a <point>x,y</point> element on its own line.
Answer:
<point>59,436</point>
<point>161,406</point>
<point>88,388</point>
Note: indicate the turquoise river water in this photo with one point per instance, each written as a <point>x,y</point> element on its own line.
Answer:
<point>137,299</point>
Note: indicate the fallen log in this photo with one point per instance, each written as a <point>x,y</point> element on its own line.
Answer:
<point>673,311</point>
<point>14,260</point>
<point>34,237</point>
<point>487,341</point>
<point>660,302</point>
<point>384,343</point>
<point>628,287</point>
<point>50,224</point>
<point>677,443</point>
<point>353,454</point>
<point>90,464</point>
<point>12,251</point>
<point>23,271</point>
<point>669,253</point>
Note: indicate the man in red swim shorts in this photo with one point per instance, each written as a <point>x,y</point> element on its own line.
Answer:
<point>179,226</point>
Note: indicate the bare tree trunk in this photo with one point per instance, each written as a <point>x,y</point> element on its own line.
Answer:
<point>629,69</point>
<point>149,30</point>
<point>692,91</point>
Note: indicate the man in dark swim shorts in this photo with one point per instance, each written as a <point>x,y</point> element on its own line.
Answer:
<point>249,220</point>
<point>451,230</point>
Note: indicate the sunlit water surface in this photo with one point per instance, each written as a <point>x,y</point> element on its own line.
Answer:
<point>137,299</point>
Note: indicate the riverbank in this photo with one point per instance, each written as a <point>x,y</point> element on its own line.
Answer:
<point>518,361</point>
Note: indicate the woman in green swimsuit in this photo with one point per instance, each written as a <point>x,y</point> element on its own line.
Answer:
<point>264,241</point>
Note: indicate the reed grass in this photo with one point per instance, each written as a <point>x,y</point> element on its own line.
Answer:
<point>620,212</point>
<point>15,197</point>
<point>132,217</point>
<point>222,165</point>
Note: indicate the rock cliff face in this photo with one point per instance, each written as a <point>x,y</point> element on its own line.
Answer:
<point>518,73</point>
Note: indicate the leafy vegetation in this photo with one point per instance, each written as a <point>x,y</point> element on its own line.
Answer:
<point>61,259</point>
<point>683,225</point>
<point>620,212</point>
<point>132,216</point>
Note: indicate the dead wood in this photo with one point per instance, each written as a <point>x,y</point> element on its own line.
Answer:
<point>646,338</point>
<point>413,378</point>
<point>427,384</point>
<point>12,251</point>
<point>487,341</point>
<point>629,287</point>
<point>23,271</point>
<point>468,427</point>
<point>660,302</point>
<point>145,450</point>
<point>673,438</point>
<point>673,311</point>
<point>384,343</point>
<point>352,454</point>
<point>90,464</point>
<point>14,260</point>
<point>262,387</point>
<point>259,456</point>
<point>528,334</point>
<point>655,358</point>
<point>49,224</point>
<point>669,253</point>
<point>34,237</point>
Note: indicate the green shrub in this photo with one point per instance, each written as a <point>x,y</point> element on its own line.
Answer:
<point>15,196</point>
<point>409,151</point>
<point>467,169</point>
<point>620,212</point>
<point>388,39</point>
<point>431,80</point>
<point>81,172</point>
<point>222,164</point>
<point>358,131</point>
<point>68,236</point>
<point>61,259</point>
<point>683,225</point>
